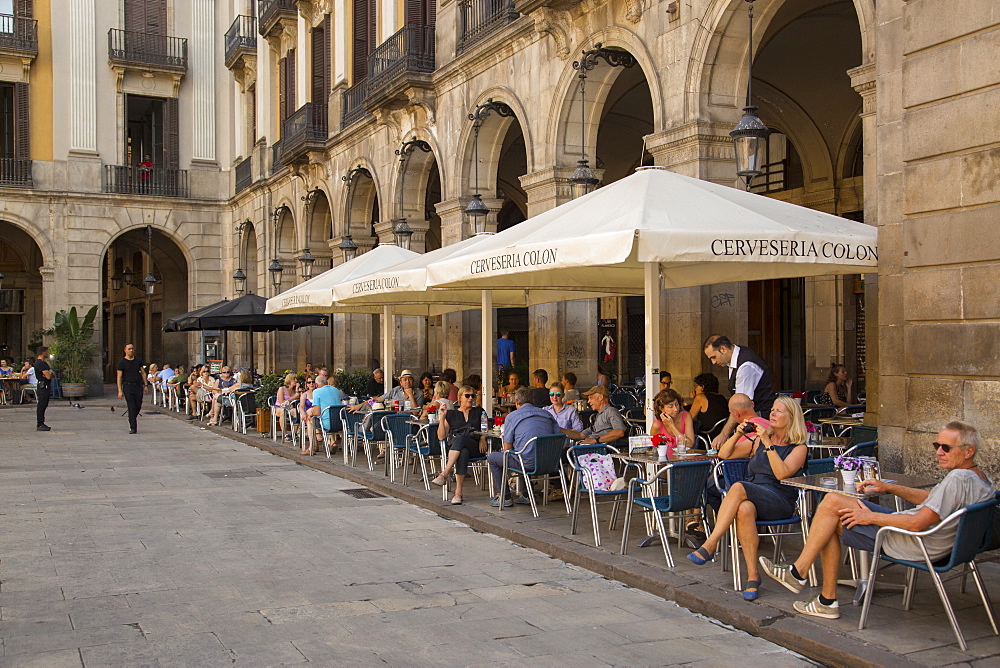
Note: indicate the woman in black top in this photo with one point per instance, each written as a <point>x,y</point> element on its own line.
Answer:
<point>775,453</point>
<point>457,427</point>
<point>707,405</point>
<point>426,386</point>
<point>838,389</point>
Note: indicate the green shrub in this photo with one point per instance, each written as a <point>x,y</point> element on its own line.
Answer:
<point>354,383</point>
<point>269,384</point>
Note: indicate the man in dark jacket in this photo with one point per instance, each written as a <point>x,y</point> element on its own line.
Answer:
<point>748,374</point>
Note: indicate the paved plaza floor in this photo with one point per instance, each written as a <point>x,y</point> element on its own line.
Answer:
<point>180,546</point>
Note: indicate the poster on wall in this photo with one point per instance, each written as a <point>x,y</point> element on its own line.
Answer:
<point>607,342</point>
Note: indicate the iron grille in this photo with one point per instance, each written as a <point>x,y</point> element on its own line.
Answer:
<point>363,493</point>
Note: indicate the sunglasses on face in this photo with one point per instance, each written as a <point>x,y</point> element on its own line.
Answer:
<point>944,446</point>
<point>555,394</point>
<point>468,396</point>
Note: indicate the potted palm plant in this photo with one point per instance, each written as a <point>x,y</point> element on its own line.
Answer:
<point>73,350</point>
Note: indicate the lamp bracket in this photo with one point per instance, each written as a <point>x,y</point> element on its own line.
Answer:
<point>311,196</point>
<point>612,56</point>
<point>410,145</point>
<point>483,111</point>
<point>354,173</point>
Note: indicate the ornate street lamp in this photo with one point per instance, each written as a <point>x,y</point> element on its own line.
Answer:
<point>477,209</point>
<point>116,281</point>
<point>583,178</point>
<point>275,267</point>
<point>127,276</point>
<point>306,260</point>
<point>401,232</point>
<point>149,283</point>
<point>240,278</point>
<point>750,134</point>
<point>348,248</point>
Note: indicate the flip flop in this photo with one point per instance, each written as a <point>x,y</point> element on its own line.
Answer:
<point>751,595</point>
<point>701,556</point>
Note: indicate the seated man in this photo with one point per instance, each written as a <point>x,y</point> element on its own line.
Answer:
<point>523,424</point>
<point>402,393</point>
<point>609,425</point>
<point>165,374</point>
<point>324,396</point>
<point>738,445</point>
<point>540,391</point>
<point>856,522</point>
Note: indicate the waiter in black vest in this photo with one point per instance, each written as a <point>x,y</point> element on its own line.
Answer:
<point>748,374</point>
<point>131,384</point>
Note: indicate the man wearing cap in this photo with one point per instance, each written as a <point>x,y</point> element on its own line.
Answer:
<point>404,392</point>
<point>608,425</point>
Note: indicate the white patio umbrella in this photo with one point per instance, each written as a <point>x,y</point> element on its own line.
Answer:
<point>316,296</point>
<point>656,229</point>
<point>403,289</point>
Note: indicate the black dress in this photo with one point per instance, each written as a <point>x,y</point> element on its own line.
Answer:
<point>773,500</point>
<point>460,436</point>
<point>718,409</point>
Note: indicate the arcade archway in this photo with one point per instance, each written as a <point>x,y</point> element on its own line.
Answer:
<point>21,315</point>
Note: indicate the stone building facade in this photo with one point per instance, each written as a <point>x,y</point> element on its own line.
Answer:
<point>342,117</point>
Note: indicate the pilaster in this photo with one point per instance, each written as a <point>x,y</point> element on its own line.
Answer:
<point>202,74</point>
<point>83,77</point>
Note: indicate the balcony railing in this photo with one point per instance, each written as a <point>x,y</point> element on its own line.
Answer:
<point>352,108</point>
<point>18,33</point>
<point>244,175</point>
<point>139,48</point>
<point>479,18</point>
<point>303,131</point>
<point>411,49</point>
<point>276,163</point>
<point>134,180</point>
<point>15,172</point>
<point>270,11</point>
<point>241,35</point>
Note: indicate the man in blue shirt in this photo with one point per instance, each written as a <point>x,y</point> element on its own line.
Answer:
<point>523,424</point>
<point>324,396</point>
<point>505,352</point>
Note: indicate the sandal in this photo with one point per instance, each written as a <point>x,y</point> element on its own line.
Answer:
<point>440,481</point>
<point>751,595</point>
<point>456,500</point>
<point>701,556</point>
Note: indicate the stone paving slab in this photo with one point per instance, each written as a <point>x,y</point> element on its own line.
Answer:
<point>129,554</point>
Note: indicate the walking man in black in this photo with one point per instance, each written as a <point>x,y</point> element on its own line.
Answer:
<point>43,390</point>
<point>748,374</point>
<point>131,384</point>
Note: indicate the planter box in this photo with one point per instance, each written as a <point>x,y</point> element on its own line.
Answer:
<point>263,421</point>
<point>74,390</point>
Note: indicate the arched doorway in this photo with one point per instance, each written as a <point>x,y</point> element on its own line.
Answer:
<point>130,313</point>
<point>21,315</point>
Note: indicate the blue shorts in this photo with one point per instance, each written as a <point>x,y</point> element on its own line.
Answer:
<point>862,536</point>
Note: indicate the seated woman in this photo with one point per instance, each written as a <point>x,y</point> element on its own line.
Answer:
<point>671,420</point>
<point>191,389</point>
<point>456,430</point>
<point>426,386</point>
<point>775,453</point>
<point>442,404</point>
<point>513,382</point>
<point>838,390</point>
<point>205,388</point>
<point>289,391</point>
<point>6,369</point>
<point>707,405</point>
<point>225,386</point>
<point>305,403</point>
<point>475,381</point>
<point>152,374</point>
<point>564,414</point>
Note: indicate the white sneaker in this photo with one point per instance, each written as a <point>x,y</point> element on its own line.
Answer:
<point>782,574</point>
<point>816,609</point>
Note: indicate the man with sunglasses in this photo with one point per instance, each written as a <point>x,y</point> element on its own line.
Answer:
<point>855,522</point>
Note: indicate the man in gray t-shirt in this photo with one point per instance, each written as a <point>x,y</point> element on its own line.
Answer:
<point>608,426</point>
<point>856,522</point>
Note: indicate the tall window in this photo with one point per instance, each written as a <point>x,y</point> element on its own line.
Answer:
<point>286,85</point>
<point>147,16</point>
<point>364,38</point>
<point>151,130</point>
<point>7,116</point>
<point>321,62</point>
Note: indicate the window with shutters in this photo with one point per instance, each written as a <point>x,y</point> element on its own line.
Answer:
<point>18,28</point>
<point>363,38</point>
<point>145,39</point>
<point>321,61</point>
<point>286,86</point>
<point>15,152</point>
<point>147,16</point>
<point>151,150</point>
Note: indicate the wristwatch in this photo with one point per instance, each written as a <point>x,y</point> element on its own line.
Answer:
<point>768,448</point>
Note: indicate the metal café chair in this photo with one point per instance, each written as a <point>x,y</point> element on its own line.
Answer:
<point>397,431</point>
<point>582,475</point>
<point>336,419</point>
<point>426,446</point>
<point>548,452</point>
<point>685,492</point>
<point>244,410</point>
<point>371,434</point>
<point>975,525</point>
<point>352,425</point>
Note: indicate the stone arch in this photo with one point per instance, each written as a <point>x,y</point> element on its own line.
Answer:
<point>21,260</point>
<point>491,137</point>
<point>716,79</point>
<point>318,214</point>
<point>854,134</point>
<point>796,124</point>
<point>564,129</point>
<point>414,173</point>
<point>36,233</point>
<point>284,239</point>
<point>362,200</point>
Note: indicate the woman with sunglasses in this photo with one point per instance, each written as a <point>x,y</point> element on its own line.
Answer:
<point>564,414</point>
<point>305,403</point>
<point>289,391</point>
<point>456,430</point>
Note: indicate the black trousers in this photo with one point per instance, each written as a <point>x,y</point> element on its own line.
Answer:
<point>133,399</point>
<point>43,403</point>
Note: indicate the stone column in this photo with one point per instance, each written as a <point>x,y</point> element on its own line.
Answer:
<point>83,77</point>
<point>202,80</point>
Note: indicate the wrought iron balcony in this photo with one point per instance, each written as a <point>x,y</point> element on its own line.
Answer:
<point>244,174</point>
<point>352,107</point>
<point>481,18</point>
<point>276,163</point>
<point>405,60</point>
<point>158,52</point>
<point>155,181</point>
<point>241,39</point>
<point>15,172</point>
<point>304,131</point>
<point>272,11</point>
<point>18,35</point>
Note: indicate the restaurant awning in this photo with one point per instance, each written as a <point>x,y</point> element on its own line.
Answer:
<point>244,314</point>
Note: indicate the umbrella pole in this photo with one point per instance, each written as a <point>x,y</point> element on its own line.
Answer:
<point>651,295</point>
<point>387,362</point>
<point>486,317</point>
<point>250,336</point>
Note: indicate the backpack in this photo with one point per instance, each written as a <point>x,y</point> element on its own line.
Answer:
<point>602,467</point>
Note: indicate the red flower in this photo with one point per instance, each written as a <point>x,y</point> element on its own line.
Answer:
<point>432,408</point>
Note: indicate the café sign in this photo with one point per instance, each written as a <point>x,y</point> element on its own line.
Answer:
<point>790,248</point>
<point>516,260</point>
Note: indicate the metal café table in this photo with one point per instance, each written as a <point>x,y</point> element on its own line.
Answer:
<point>814,483</point>
<point>843,422</point>
<point>11,389</point>
<point>651,462</point>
